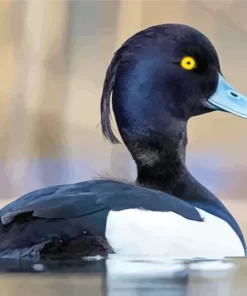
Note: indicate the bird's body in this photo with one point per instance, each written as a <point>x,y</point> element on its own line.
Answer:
<point>159,79</point>
<point>99,217</point>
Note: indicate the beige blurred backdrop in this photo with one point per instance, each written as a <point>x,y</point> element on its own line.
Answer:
<point>53,58</point>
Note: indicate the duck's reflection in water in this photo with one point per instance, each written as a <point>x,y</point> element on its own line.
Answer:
<point>116,277</point>
<point>130,277</point>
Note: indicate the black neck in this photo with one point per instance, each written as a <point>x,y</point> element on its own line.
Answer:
<point>160,157</point>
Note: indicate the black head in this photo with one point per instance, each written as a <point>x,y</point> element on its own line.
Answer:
<point>159,79</point>
<point>149,86</point>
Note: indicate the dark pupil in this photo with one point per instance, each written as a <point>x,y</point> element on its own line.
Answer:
<point>188,63</point>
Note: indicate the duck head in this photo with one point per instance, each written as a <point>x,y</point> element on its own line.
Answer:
<point>159,79</point>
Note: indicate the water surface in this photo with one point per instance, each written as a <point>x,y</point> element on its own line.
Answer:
<point>123,277</point>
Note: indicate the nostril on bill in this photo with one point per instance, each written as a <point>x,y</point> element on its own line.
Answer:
<point>233,94</point>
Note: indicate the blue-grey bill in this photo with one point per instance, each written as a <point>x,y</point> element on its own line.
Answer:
<point>229,99</point>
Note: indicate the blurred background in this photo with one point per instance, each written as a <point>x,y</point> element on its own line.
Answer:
<point>53,58</point>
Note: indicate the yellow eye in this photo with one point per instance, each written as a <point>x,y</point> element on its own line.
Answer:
<point>188,63</point>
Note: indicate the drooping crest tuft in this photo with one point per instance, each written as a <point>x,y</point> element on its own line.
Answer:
<point>122,55</point>
<point>105,105</point>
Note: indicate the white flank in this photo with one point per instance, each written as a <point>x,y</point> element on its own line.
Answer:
<point>139,232</point>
